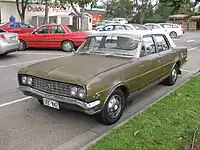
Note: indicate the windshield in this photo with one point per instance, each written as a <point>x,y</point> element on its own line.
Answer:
<point>110,45</point>
<point>72,28</point>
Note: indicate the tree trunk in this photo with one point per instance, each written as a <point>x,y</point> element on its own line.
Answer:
<point>45,21</point>
<point>82,18</point>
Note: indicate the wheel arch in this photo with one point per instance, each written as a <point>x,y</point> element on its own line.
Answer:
<point>120,86</point>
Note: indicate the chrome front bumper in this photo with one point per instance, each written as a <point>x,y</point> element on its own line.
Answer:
<point>89,108</point>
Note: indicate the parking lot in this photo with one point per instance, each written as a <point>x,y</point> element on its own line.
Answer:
<point>27,125</point>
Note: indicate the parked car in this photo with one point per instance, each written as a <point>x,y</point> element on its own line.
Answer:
<point>66,37</point>
<point>116,27</point>
<point>8,42</point>
<point>165,27</point>
<point>120,20</point>
<point>17,27</point>
<point>177,29</point>
<point>101,75</point>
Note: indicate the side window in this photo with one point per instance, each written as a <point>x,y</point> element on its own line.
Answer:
<point>119,28</point>
<point>108,28</point>
<point>148,46</point>
<point>14,25</point>
<point>161,43</point>
<point>155,27</point>
<point>128,28</point>
<point>42,30</point>
<point>174,26</point>
<point>149,26</point>
<point>56,30</point>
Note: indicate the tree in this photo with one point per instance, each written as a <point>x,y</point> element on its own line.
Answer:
<point>120,8</point>
<point>22,8</point>
<point>81,4</point>
<point>178,5</point>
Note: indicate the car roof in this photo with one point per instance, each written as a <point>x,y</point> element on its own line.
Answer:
<point>138,33</point>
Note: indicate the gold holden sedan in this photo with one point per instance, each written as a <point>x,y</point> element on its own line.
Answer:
<point>100,76</point>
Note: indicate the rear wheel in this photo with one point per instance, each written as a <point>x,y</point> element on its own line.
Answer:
<point>173,34</point>
<point>67,46</point>
<point>22,45</point>
<point>113,108</point>
<point>171,79</point>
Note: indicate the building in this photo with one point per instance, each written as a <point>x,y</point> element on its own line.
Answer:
<point>97,14</point>
<point>35,13</point>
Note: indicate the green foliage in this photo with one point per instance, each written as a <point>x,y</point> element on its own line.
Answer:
<point>121,8</point>
<point>79,2</point>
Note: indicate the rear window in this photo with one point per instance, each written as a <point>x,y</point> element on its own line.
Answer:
<point>72,28</point>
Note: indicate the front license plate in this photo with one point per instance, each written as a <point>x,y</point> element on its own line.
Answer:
<point>51,103</point>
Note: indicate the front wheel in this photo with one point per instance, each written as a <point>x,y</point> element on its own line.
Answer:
<point>113,108</point>
<point>22,45</point>
<point>171,79</point>
<point>173,34</point>
<point>67,46</point>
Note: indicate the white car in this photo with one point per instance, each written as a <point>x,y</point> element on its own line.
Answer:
<point>117,27</point>
<point>173,30</point>
<point>120,20</point>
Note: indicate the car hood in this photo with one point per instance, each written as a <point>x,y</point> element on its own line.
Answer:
<point>75,69</point>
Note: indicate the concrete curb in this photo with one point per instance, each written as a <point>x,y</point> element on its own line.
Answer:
<point>86,147</point>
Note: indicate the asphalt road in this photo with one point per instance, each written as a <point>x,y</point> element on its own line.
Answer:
<point>26,125</point>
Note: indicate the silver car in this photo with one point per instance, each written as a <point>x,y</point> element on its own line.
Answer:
<point>9,42</point>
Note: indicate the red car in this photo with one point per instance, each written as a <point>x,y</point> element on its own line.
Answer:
<point>66,37</point>
<point>17,27</point>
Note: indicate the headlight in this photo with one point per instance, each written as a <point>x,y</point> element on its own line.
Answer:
<point>81,93</point>
<point>24,79</point>
<point>73,91</point>
<point>29,81</point>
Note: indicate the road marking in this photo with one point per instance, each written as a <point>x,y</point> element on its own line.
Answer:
<point>194,48</point>
<point>15,101</point>
<point>32,53</point>
<point>10,65</point>
<point>187,71</point>
<point>188,41</point>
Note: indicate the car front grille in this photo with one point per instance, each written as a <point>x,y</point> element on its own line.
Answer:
<point>52,87</point>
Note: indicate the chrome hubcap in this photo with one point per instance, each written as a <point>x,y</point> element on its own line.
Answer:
<point>174,75</point>
<point>114,106</point>
<point>21,45</point>
<point>173,34</point>
<point>67,46</point>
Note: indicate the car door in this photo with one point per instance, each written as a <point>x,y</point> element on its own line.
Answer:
<point>39,38</point>
<point>166,53</point>
<point>150,62</point>
<point>57,35</point>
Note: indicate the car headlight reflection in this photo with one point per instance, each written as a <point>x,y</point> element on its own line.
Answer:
<point>24,79</point>
<point>29,81</point>
<point>73,91</point>
<point>81,93</point>
<point>77,92</point>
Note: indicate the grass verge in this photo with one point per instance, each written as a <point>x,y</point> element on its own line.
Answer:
<point>168,125</point>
